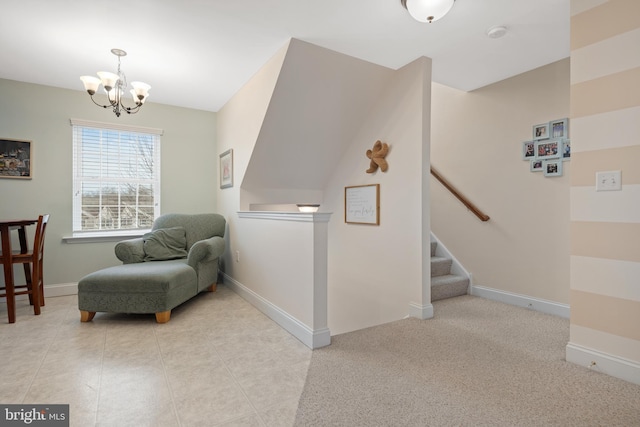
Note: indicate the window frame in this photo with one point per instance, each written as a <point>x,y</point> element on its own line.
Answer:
<point>79,180</point>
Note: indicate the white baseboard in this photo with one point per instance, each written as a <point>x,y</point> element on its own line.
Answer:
<point>60,290</point>
<point>311,338</point>
<point>51,291</point>
<point>604,363</point>
<point>525,301</point>
<point>420,311</point>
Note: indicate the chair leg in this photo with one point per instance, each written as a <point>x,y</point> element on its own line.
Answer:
<point>213,287</point>
<point>34,286</point>
<point>35,298</point>
<point>41,284</point>
<point>163,316</point>
<point>24,247</point>
<point>10,292</point>
<point>86,316</point>
<point>29,280</point>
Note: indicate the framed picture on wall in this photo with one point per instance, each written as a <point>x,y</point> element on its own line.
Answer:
<point>226,169</point>
<point>552,167</point>
<point>536,165</point>
<point>541,131</point>
<point>16,159</point>
<point>559,128</point>
<point>362,204</point>
<point>548,149</point>
<point>566,149</point>
<point>528,150</point>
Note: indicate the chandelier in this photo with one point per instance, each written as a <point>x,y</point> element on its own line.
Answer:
<point>115,85</point>
<point>427,10</point>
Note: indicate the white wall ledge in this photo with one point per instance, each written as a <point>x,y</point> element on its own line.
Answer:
<point>287,216</point>
<point>104,237</point>
<point>273,295</point>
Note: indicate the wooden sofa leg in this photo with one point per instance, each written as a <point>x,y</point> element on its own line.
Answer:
<point>213,287</point>
<point>163,317</point>
<point>86,316</point>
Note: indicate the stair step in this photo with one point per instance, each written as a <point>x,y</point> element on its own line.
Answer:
<point>448,286</point>
<point>440,266</point>
<point>434,244</point>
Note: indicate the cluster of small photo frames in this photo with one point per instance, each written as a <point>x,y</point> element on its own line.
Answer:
<point>549,147</point>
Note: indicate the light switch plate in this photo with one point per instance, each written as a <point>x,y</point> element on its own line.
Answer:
<point>608,181</point>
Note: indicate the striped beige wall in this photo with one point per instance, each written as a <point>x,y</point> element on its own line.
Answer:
<point>605,226</point>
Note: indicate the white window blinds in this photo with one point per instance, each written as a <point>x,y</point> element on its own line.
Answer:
<point>116,177</point>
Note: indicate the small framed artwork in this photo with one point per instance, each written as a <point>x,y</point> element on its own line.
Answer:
<point>536,165</point>
<point>541,131</point>
<point>528,150</point>
<point>362,204</point>
<point>559,128</point>
<point>549,149</point>
<point>16,159</point>
<point>552,167</point>
<point>566,149</point>
<point>226,169</point>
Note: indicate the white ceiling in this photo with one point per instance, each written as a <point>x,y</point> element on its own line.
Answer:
<point>198,53</point>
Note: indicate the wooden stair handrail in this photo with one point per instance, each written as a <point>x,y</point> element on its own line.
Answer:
<point>473,208</point>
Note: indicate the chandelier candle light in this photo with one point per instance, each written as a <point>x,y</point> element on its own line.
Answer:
<point>427,10</point>
<point>114,86</point>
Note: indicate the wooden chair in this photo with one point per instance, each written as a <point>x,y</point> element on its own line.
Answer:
<point>33,263</point>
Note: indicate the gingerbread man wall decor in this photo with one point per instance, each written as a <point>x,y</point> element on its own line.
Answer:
<point>377,156</point>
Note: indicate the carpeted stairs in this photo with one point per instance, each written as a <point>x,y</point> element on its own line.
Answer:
<point>443,283</point>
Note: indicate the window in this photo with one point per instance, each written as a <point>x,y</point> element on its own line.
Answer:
<point>116,177</point>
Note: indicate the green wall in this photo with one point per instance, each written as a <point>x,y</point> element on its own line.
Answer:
<point>41,114</point>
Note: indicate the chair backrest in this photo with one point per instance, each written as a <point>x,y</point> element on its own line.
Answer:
<point>38,242</point>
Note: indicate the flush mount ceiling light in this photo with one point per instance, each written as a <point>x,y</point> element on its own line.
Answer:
<point>427,10</point>
<point>496,32</point>
<point>307,207</point>
<point>114,86</point>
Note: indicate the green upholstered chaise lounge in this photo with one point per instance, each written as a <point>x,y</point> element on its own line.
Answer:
<point>174,262</point>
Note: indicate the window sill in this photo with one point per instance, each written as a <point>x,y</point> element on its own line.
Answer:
<point>103,237</point>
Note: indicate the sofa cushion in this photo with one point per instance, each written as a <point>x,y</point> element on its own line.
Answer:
<point>145,278</point>
<point>165,243</point>
<point>145,287</point>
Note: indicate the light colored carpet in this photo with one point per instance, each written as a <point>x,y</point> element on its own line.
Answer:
<point>476,363</point>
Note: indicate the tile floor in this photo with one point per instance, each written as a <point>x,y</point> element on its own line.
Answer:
<point>218,362</point>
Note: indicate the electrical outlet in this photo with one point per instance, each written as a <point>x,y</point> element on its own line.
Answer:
<point>237,256</point>
<point>608,181</point>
